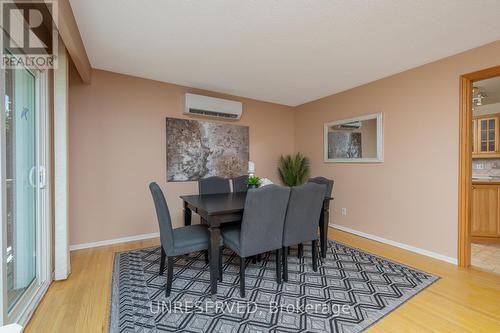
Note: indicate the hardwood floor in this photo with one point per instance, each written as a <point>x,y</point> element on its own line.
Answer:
<point>81,303</point>
<point>462,301</point>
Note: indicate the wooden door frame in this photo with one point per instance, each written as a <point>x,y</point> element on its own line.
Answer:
<point>465,160</point>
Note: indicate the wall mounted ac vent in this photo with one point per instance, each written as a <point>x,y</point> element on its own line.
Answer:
<point>198,105</point>
<point>353,125</point>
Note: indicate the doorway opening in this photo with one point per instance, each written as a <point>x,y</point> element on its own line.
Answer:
<point>479,167</point>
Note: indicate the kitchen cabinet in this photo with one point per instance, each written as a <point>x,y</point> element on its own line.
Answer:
<point>486,136</point>
<point>485,225</point>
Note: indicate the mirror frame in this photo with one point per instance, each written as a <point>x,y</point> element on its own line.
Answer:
<point>380,140</point>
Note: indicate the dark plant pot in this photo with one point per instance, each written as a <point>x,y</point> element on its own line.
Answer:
<point>252,186</point>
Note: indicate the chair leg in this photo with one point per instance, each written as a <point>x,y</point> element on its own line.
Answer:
<point>254,259</point>
<point>300,251</point>
<point>259,258</point>
<point>162,261</point>
<point>315,254</point>
<point>242,277</point>
<point>205,252</point>
<point>278,266</point>
<point>220,263</point>
<point>170,275</point>
<point>288,250</point>
<point>285,263</point>
<point>320,256</point>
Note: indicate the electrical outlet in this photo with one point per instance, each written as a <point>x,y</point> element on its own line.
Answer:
<point>480,166</point>
<point>344,211</point>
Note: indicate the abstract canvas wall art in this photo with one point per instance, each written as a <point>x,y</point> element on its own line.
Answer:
<point>200,149</point>
<point>344,144</point>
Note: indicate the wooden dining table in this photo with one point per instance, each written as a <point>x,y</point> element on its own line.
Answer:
<point>218,209</point>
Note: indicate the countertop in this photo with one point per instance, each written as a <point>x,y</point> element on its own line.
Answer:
<point>486,181</point>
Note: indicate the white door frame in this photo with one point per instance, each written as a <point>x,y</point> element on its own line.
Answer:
<point>26,305</point>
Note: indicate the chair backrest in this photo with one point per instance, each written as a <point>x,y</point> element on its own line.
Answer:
<point>166,232</point>
<point>263,219</point>
<point>303,212</point>
<point>213,185</point>
<point>240,184</point>
<point>325,181</point>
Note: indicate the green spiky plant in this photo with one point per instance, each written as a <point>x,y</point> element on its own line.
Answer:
<point>254,182</point>
<point>293,170</point>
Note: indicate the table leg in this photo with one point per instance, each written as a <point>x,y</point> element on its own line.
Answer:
<point>187,215</point>
<point>214,259</point>
<point>323,230</point>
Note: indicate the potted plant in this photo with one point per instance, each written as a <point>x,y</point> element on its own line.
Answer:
<point>293,170</point>
<point>253,182</point>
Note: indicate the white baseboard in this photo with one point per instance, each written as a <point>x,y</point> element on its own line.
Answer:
<point>113,241</point>
<point>397,244</point>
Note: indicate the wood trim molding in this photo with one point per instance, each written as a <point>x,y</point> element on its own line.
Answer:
<point>465,160</point>
<point>486,155</point>
<point>489,115</point>
<point>68,30</point>
<point>485,239</point>
<point>465,171</point>
<point>484,74</point>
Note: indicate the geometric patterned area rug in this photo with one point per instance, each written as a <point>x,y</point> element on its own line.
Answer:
<point>351,291</point>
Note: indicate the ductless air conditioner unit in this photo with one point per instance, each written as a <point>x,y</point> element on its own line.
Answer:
<point>197,105</point>
<point>350,126</point>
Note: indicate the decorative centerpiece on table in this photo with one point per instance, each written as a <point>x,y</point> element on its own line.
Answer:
<point>254,182</point>
<point>293,169</point>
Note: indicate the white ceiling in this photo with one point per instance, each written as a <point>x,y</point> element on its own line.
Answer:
<point>490,88</point>
<point>283,51</point>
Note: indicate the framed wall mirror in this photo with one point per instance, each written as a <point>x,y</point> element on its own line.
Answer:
<point>355,140</point>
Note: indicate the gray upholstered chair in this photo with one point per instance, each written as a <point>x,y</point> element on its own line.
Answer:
<point>240,184</point>
<point>214,185</point>
<point>328,193</point>
<point>301,222</point>
<point>179,241</point>
<point>261,227</point>
<point>325,181</point>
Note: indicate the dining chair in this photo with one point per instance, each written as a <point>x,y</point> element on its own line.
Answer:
<point>328,193</point>
<point>261,227</point>
<point>325,181</point>
<point>213,185</point>
<point>179,241</point>
<point>301,221</point>
<point>240,184</point>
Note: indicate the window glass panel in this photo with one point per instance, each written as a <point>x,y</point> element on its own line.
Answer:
<point>20,132</point>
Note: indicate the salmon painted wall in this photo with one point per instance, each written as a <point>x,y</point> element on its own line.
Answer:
<point>411,198</point>
<point>117,146</point>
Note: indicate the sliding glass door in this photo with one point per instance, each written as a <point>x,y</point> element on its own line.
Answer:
<point>21,185</point>
<point>24,197</point>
